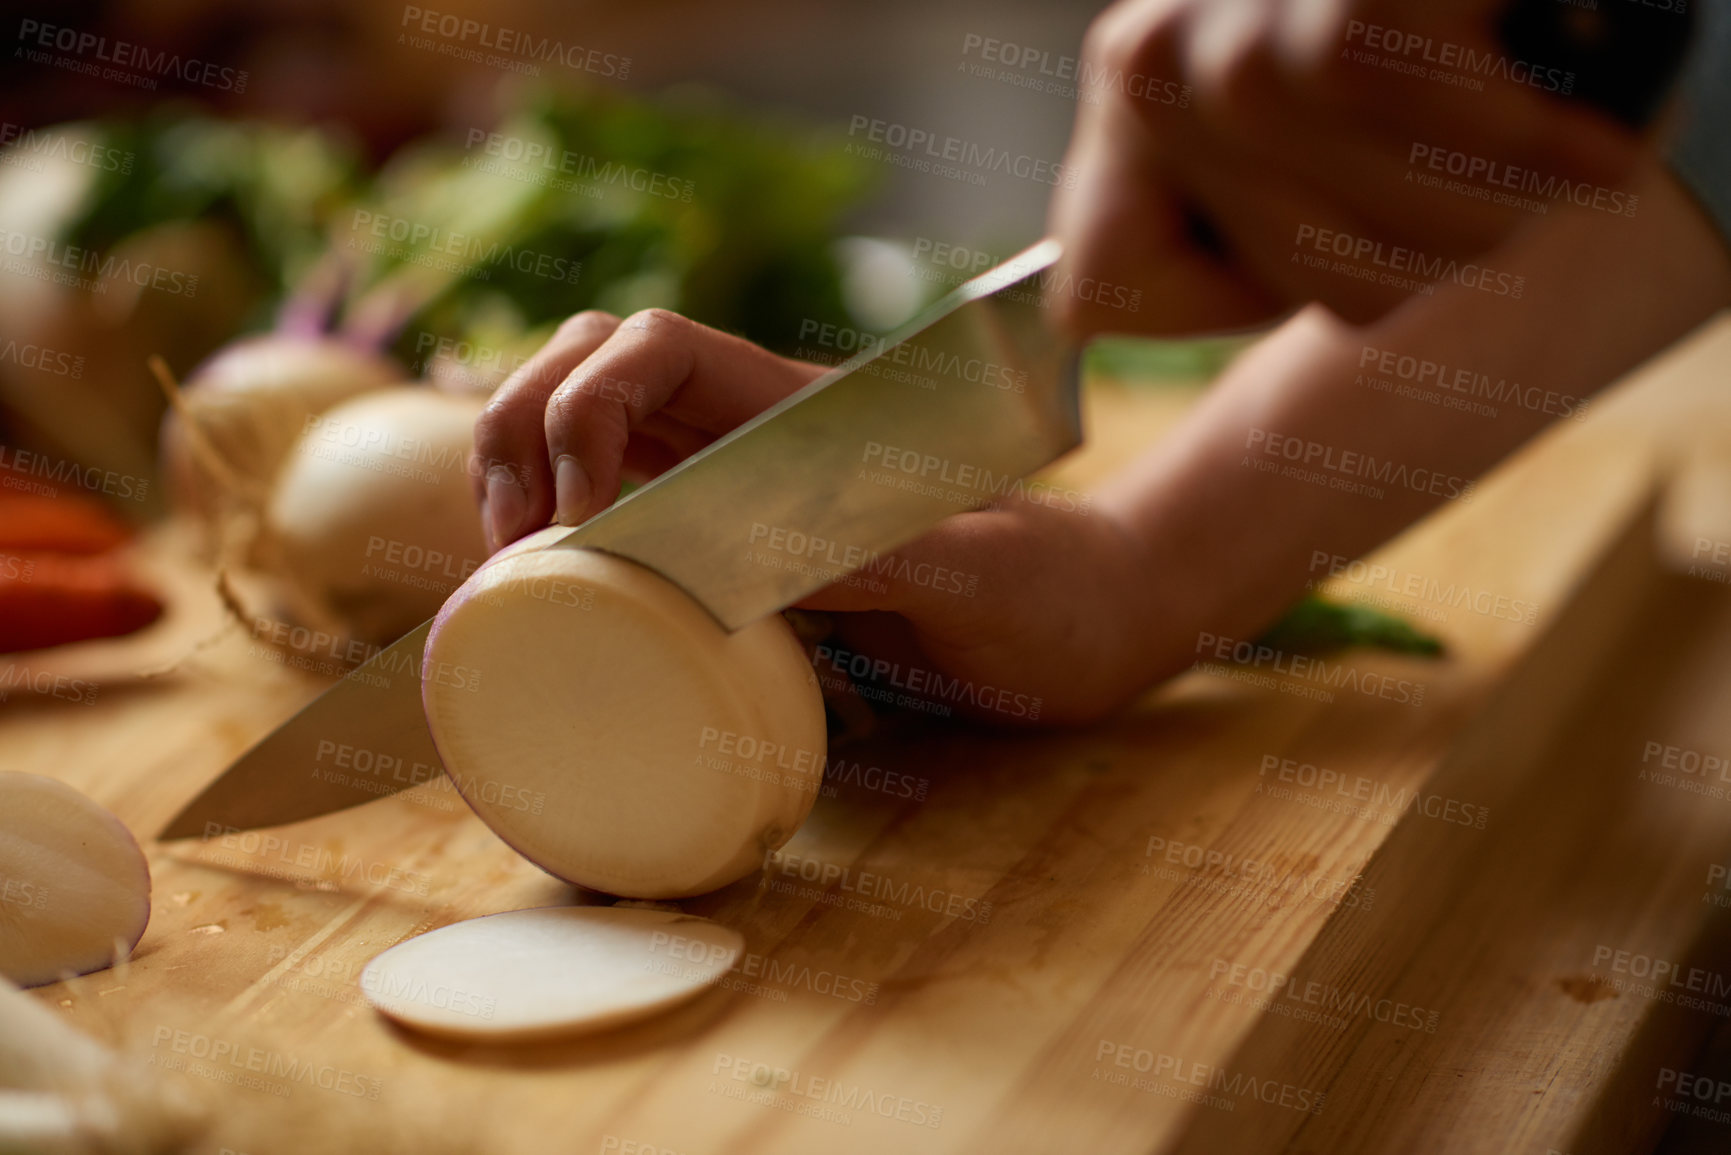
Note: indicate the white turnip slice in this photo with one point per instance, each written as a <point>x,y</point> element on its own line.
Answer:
<point>607,728</point>
<point>550,971</point>
<point>74,887</point>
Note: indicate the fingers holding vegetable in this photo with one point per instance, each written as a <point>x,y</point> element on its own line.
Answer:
<point>699,382</point>
<point>608,400</point>
<point>509,470</point>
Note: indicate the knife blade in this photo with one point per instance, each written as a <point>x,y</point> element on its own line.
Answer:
<point>947,414</point>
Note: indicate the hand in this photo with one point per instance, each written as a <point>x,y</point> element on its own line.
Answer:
<point>606,400</point>
<point>1024,601</point>
<point>1221,128</point>
<point>1026,612</point>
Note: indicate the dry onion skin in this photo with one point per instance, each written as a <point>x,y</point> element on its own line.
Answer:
<point>250,402</point>
<point>74,887</point>
<point>550,971</point>
<point>373,520</point>
<point>604,725</point>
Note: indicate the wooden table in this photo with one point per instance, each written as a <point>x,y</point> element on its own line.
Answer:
<point>1169,933</point>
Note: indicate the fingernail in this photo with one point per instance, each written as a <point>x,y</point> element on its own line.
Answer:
<point>571,488</point>
<point>506,505</point>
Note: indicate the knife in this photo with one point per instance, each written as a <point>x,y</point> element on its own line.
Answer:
<point>947,414</point>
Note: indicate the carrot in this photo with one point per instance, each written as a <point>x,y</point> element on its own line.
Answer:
<point>64,524</point>
<point>49,599</point>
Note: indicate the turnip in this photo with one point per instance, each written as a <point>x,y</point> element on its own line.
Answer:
<point>550,971</point>
<point>372,519</point>
<point>74,887</point>
<point>249,403</point>
<point>604,725</point>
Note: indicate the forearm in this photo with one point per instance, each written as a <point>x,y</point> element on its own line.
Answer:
<point>1227,545</point>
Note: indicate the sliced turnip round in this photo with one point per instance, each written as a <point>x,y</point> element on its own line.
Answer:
<point>74,887</point>
<point>536,974</point>
<point>603,723</point>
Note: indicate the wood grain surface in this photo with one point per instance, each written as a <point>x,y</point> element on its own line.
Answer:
<point>1063,941</point>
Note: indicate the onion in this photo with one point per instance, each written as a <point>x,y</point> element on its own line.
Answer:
<point>74,887</point>
<point>372,520</point>
<point>250,402</point>
<point>536,974</point>
<point>603,723</point>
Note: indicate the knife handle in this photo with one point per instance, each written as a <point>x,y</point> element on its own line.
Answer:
<point>1622,55</point>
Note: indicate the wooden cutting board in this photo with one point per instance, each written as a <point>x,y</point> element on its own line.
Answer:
<point>1018,941</point>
